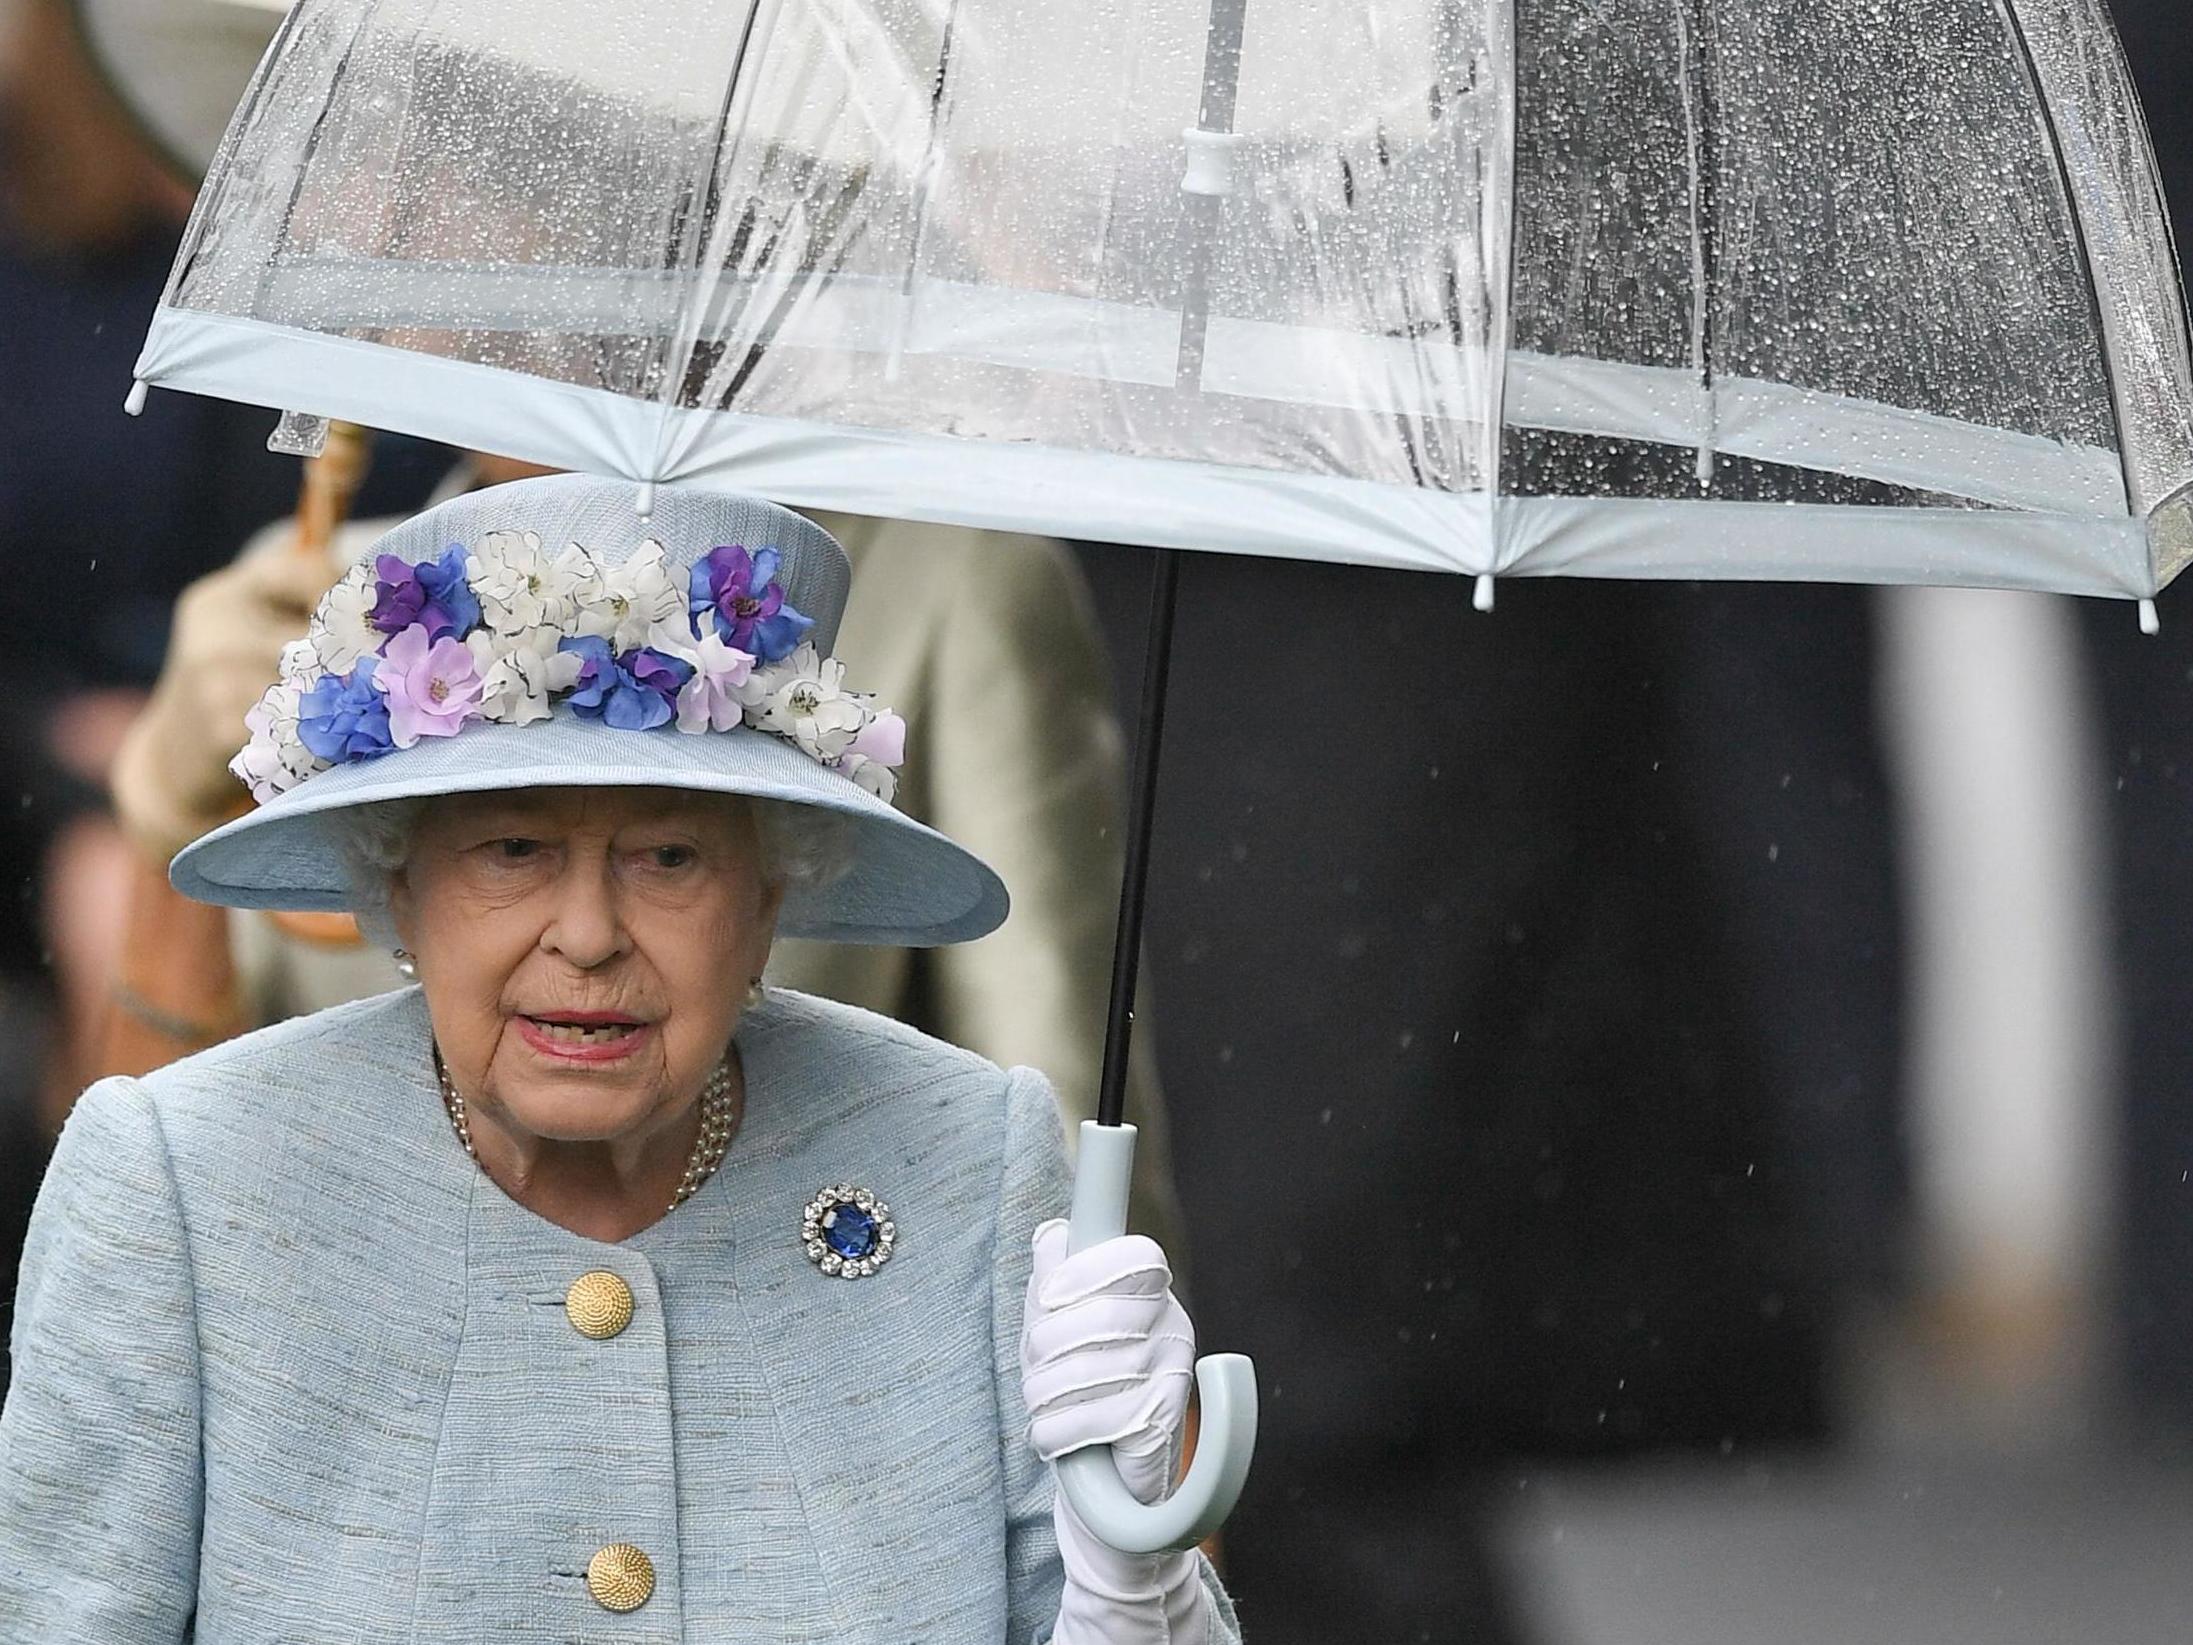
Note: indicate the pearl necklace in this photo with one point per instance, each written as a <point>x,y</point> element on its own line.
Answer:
<point>719,1118</point>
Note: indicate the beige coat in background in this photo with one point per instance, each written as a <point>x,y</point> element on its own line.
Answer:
<point>986,644</point>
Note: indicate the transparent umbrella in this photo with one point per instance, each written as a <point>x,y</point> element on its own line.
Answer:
<point>1874,290</point>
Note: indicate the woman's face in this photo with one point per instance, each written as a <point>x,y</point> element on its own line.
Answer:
<point>585,952</point>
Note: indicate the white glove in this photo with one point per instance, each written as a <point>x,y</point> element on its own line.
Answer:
<point>1106,1358</point>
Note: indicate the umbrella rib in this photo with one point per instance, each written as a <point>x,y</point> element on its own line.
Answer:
<point>1694,27</point>
<point>1500,323</point>
<point>2007,10</point>
<point>705,215</point>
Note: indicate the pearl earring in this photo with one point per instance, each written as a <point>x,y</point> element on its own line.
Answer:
<point>406,966</point>
<point>755,995</point>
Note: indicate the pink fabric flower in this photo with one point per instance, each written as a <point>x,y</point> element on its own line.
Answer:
<point>433,686</point>
<point>715,698</point>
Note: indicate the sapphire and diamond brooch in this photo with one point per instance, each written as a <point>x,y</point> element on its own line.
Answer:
<point>848,1232</point>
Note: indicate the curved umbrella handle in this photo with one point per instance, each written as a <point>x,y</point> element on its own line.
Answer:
<point>1226,1383</point>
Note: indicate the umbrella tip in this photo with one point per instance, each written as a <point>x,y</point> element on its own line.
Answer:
<point>2151,621</point>
<point>646,502</point>
<point>135,403</point>
<point>1482,599</point>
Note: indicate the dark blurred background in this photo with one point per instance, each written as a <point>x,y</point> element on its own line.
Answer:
<point>1528,1015</point>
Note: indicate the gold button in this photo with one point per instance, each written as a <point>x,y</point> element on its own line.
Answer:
<point>620,1577</point>
<point>599,1305</point>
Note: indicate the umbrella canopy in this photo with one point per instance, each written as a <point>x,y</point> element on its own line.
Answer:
<point>1853,289</point>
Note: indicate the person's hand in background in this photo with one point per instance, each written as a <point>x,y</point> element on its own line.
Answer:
<point>171,780</point>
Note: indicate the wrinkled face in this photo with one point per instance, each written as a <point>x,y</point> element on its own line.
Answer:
<point>585,953</point>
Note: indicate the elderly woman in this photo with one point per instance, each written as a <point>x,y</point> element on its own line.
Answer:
<point>586,1289</point>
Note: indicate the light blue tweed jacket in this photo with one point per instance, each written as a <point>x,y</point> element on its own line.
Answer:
<point>291,1371</point>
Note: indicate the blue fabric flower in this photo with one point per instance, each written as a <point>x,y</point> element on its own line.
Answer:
<point>634,692</point>
<point>741,591</point>
<point>433,592</point>
<point>343,717</point>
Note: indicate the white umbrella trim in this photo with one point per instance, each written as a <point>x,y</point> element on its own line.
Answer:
<point>1131,343</point>
<point>1027,487</point>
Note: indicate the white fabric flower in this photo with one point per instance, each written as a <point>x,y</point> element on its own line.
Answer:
<point>275,760</point>
<point>722,687</point>
<point>873,775</point>
<point>520,589</point>
<point>626,604</point>
<point>520,677</point>
<point>803,697</point>
<point>300,663</point>
<point>341,630</point>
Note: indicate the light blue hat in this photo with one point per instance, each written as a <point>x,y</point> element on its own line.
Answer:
<point>907,884</point>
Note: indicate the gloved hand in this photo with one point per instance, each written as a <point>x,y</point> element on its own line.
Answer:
<point>1107,1355</point>
<point>171,781</point>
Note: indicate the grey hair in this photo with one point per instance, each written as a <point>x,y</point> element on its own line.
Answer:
<point>803,847</point>
<point>374,841</point>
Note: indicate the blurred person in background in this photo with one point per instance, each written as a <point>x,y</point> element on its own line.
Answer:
<point>122,512</point>
<point>2146,697</point>
<point>89,214</point>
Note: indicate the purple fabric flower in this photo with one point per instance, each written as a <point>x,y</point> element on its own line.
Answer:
<point>741,590</point>
<point>433,593</point>
<point>634,692</point>
<point>344,717</point>
<point>433,686</point>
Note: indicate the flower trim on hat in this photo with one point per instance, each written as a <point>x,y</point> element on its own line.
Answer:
<point>398,652</point>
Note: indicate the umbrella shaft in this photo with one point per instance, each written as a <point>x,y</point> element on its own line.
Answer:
<point>1215,113</point>
<point>1141,810</point>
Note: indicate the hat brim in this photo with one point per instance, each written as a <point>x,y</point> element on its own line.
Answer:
<point>908,886</point>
